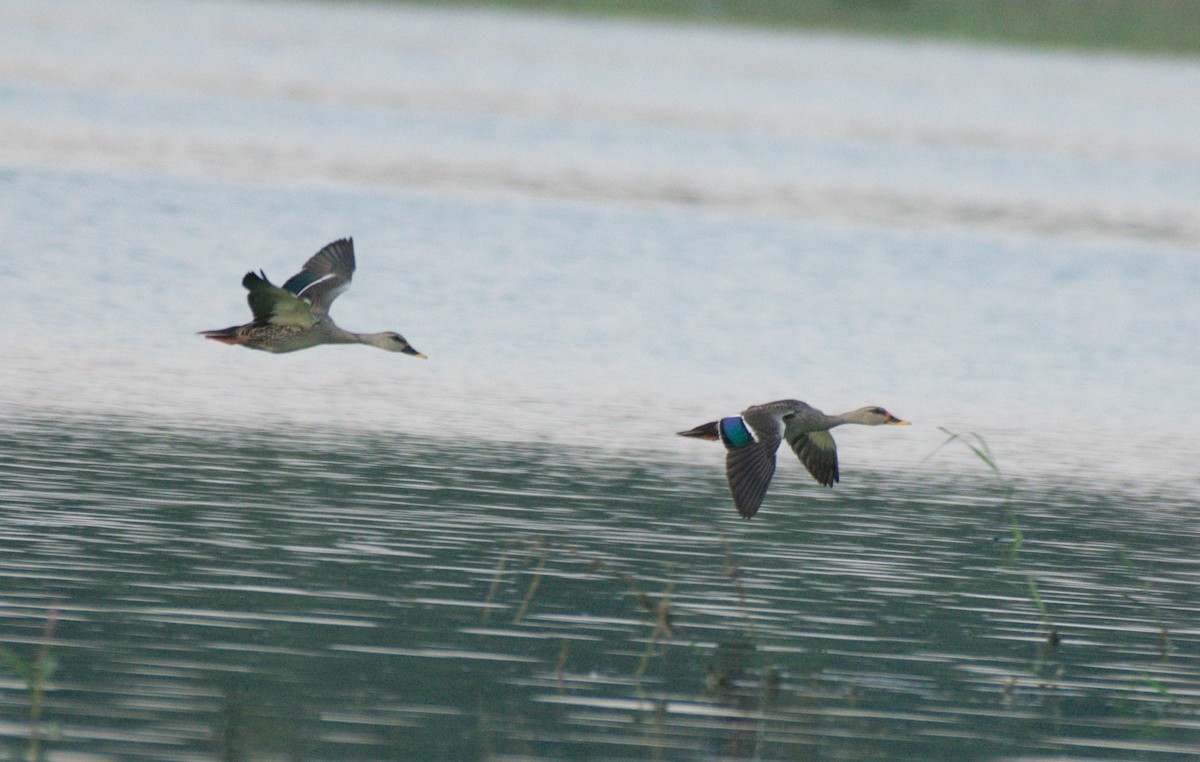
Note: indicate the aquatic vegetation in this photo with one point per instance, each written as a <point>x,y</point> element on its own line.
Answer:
<point>659,609</point>
<point>534,581</point>
<point>1147,602</point>
<point>979,446</point>
<point>36,672</point>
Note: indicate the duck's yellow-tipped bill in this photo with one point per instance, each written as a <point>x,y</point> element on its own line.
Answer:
<point>894,421</point>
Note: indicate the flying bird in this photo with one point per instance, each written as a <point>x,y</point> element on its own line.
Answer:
<point>297,316</point>
<point>752,438</point>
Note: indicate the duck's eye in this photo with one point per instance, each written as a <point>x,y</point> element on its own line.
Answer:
<point>879,411</point>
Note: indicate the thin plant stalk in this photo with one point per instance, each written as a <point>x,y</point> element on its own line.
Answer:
<point>497,574</point>
<point>661,610</point>
<point>36,674</point>
<point>533,586</point>
<point>979,446</point>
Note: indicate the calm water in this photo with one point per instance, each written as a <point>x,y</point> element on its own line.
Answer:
<point>600,233</point>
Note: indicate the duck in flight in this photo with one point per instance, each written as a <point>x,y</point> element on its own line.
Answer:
<point>296,316</point>
<point>752,438</point>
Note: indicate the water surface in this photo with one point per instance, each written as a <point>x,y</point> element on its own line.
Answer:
<point>222,594</point>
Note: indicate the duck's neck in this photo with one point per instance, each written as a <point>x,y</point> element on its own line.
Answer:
<point>853,416</point>
<point>379,340</point>
<point>338,335</point>
<point>351,337</point>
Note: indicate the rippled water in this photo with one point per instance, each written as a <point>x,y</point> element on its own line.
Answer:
<point>600,233</point>
<point>223,594</point>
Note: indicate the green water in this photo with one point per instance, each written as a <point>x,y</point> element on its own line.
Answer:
<point>221,594</point>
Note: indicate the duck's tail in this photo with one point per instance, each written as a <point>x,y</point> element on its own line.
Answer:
<point>225,335</point>
<point>703,431</point>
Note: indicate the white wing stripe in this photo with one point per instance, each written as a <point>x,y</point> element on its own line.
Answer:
<point>322,279</point>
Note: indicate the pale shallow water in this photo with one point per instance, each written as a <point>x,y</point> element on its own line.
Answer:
<point>601,233</point>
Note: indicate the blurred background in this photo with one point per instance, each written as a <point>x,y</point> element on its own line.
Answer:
<point>603,223</point>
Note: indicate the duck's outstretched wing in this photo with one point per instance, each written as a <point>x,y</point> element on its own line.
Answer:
<point>749,469</point>
<point>818,452</point>
<point>324,276</point>
<point>271,304</point>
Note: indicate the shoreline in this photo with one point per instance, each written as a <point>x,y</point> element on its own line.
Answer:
<point>1145,27</point>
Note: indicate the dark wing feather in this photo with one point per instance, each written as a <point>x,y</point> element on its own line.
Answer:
<point>818,452</point>
<point>324,276</point>
<point>749,470</point>
<point>271,304</point>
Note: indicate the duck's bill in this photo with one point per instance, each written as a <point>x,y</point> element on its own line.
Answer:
<point>894,421</point>
<point>413,352</point>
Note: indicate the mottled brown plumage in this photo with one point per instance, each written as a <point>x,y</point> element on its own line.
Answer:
<point>296,316</point>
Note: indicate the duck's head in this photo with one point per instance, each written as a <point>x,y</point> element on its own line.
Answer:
<point>874,415</point>
<point>393,342</point>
